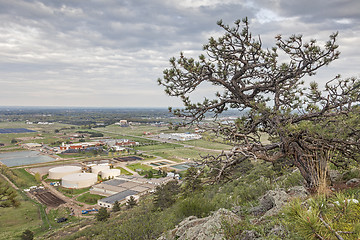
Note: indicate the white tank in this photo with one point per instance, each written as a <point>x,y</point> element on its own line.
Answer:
<point>98,168</point>
<point>79,180</point>
<point>59,172</point>
<point>110,173</point>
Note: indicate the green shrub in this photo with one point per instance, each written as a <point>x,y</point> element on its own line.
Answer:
<point>194,206</point>
<point>335,217</point>
<point>353,173</point>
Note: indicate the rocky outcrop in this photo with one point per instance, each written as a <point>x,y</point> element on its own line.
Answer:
<point>208,228</point>
<point>271,203</point>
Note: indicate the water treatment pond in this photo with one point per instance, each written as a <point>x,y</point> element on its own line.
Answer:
<point>12,159</point>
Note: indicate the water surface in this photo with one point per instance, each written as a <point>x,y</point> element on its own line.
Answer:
<point>12,159</point>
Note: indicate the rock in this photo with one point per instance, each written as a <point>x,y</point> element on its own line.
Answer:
<point>278,231</point>
<point>249,235</point>
<point>353,182</point>
<point>208,228</point>
<point>298,192</point>
<point>335,176</point>
<point>271,203</point>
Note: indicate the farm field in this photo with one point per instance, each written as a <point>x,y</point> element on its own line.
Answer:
<point>135,130</point>
<point>208,144</point>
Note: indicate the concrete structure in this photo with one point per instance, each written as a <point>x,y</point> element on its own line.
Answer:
<point>79,180</point>
<point>123,186</point>
<point>32,145</point>
<point>110,173</point>
<point>97,169</point>
<point>59,172</point>
<point>179,136</point>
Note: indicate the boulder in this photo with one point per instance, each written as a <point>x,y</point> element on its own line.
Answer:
<point>271,203</point>
<point>207,228</point>
<point>352,182</point>
<point>335,176</point>
<point>298,192</point>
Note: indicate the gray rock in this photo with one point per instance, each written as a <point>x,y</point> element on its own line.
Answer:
<point>249,235</point>
<point>335,176</point>
<point>271,203</point>
<point>208,228</point>
<point>353,181</point>
<point>298,192</point>
<point>278,231</point>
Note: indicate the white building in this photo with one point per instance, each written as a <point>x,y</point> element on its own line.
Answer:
<point>179,136</point>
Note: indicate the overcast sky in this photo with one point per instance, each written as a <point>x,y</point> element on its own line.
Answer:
<point>109,53</point>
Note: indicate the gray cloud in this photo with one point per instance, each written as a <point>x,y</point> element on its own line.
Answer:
<point>110,53</point>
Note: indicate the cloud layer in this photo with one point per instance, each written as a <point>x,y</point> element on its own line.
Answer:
<point>110,53</point>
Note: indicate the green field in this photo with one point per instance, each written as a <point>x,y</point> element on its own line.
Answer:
<point>139,166</point>
<point>44,133</point>
<point>201,143</point>
<point>124,171</point>
<point>159,146</point>
<point>135,130</point>
<point>180,154</point>
<point>89,198</point>
<point>71,192</point>
<point>13,221</point>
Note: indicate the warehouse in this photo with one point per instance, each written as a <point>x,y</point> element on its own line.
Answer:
<point>121,196</point>
<point>59,172</point>
<point>79,180</point>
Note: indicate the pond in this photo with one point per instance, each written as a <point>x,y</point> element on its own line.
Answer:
<point>12,159</point>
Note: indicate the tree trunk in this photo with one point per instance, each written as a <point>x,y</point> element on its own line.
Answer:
<point>313,167</point>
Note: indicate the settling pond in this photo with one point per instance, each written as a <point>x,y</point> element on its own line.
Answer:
<point>12,159</point>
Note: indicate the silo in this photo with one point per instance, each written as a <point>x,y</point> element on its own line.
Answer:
<point>98,168</point>
<point>79,180</point>
<point>59,172</point>
<point>110,173</point>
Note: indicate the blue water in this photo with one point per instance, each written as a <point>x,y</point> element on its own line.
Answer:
<point>181,166</point>
<point>12,159</point>
<point>15,130</point>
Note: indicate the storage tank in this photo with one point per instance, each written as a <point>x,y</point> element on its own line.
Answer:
<point>110,173</point>
<point>98,168</point>
<point>59,172</point>
<point>79,180</point>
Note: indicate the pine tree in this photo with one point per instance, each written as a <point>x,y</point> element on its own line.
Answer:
<point>102,215</point>
<point>131,202</point>
<point>116,207</point>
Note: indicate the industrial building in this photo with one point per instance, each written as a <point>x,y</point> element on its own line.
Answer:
<point>179,136</point>
<point>59,172</point>
<point>108,202</point>
<point>119,188</point>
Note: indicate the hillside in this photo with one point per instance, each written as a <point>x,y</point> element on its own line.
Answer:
<point>249,207</point>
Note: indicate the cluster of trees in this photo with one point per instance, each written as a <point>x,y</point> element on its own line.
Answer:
<point>306,125</point>
<point>8,196</point>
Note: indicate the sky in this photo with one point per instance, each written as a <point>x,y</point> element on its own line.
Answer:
<point>110,53</point>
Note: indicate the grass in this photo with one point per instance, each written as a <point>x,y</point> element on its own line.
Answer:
<point>139,166</point>
<point>28,178</point>
<point>137,131</point>
<point>124,171</point>
<point>71,192</point>
<point>180,154</point>
<point>60,212</point>
<point>160,146</point>
<point>208,144</point>
<point>29,215</point>
<point>89,198</point>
